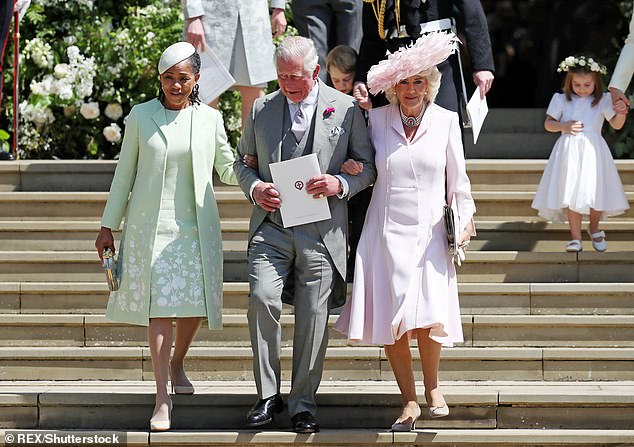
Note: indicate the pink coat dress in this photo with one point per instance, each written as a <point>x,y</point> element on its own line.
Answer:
<point>404,277</point>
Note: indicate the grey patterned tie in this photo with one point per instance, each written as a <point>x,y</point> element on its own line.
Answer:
<point>300,123</point>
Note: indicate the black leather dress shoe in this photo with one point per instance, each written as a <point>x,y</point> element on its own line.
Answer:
<point>304,422</point>
<point>262,411</point>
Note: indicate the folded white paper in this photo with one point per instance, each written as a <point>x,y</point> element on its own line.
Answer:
<point>477,110</point>
<point>290,178</point>
<point>214,77</point>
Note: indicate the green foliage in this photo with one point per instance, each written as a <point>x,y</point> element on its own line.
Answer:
<point>83,65</point>
<point>4,141</point>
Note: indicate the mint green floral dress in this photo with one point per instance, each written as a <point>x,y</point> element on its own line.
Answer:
<point>177,285</point>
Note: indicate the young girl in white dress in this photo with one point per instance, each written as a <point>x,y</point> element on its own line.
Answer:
<point>580,177</point>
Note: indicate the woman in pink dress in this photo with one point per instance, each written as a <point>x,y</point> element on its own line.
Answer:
<point>404,280</point>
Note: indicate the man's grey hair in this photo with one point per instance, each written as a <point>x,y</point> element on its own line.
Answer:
<point>297,47</point>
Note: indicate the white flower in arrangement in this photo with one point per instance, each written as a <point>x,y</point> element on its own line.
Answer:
<point>84,88</point>
<point>108,92</point>
<point>112,133</point>
<point>61,70</point>
<point>89,110</point>
<point>37,88</point>
<point>114,70</point>
<point>45,87</point>
<point>87,3</point>
<point>81,72</point>
<point>65,91</point>
<point>37,114</point>
<point>70,40</point>
<point>114,111</point>
<point>570,60</point>
<point>123,38</point>
<point>73,53</point>
<point>150,36</point>
<point>49,84</point>
<point>582,63</point>
<point>40,52</point>
<point>148,10</point>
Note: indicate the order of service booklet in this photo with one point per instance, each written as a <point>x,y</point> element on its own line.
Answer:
<point>214,77</point>
<point>477,108</point>
<point>290,178</point>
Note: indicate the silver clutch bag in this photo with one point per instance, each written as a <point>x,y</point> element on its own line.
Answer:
<point>451,220</point>
<point>110,267</point>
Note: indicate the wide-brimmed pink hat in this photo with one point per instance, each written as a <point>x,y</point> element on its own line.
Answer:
<point>428,51</point>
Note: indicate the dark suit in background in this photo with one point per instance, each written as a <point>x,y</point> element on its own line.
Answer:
<point>328,23</point>
<point>471,26</point>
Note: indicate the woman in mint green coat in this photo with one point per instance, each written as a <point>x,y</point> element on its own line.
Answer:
<point>170,262</point>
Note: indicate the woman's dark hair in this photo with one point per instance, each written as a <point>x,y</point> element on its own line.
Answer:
<point>194,63</point>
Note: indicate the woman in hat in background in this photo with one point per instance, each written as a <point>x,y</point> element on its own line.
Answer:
<point>404,280</point>
<point>170,262</point>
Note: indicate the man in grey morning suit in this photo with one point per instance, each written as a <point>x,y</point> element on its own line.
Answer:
<point>305,264</point>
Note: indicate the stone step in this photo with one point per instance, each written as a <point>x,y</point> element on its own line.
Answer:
<point>56,175</point>
<point>68,235</point>
<point>510,144</point>
<point>475,298</point>
<point>479,331</point>
<point>360,405</point>
<point>96,175</point>
<point>516,120</point>
<point>89,205</point>
<point>365,363</point>
<point>508,205</point>
<point>542,236</point>
<point>524,175</point>
<point>353,437</point>
<point>491,205</point>
<point>496,235</point>
<point>480,266</point>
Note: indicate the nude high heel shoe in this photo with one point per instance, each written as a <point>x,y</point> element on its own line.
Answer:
<point>180,389</point>
<point>162,424</point>
<point>408,424</point>
<point>439,412</point>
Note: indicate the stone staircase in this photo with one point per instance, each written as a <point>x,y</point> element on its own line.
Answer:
<point>548,357</point>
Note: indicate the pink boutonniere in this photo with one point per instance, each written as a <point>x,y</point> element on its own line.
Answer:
<point>329,111</point>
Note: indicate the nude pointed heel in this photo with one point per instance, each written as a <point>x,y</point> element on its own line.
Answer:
<point>439,412</point>
<point>180,389</point>
<point>183,389</point>
<point>162,424</point>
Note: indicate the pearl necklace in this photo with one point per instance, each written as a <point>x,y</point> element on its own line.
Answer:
<point>412,121</point>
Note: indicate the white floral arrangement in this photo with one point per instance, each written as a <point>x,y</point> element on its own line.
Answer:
<point>583,63</point>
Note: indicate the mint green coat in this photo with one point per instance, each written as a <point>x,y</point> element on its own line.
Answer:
<point>138,185</point>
